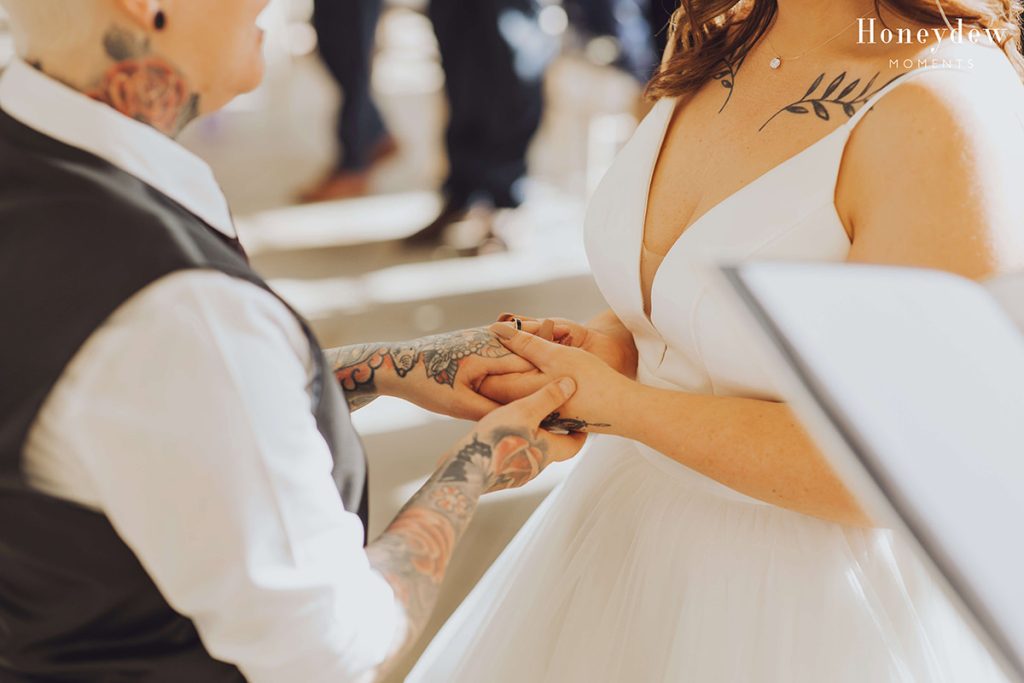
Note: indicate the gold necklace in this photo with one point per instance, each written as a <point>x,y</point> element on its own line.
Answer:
<point>776,62</point>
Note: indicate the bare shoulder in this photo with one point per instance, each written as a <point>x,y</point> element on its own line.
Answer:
<point>929,174</point>
<point>969,92</point>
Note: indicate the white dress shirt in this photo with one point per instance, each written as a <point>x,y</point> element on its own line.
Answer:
<point>185,419</point>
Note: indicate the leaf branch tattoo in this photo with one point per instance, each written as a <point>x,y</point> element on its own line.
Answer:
<point>556,424</point>
<point>414,552</point>
<point>144,86</point>
<point>846,100</point>
<point>727,77</point>
<point>442,355</point>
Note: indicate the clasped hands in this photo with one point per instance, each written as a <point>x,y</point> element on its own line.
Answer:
<point>598,363</point>
<point>470,373</point>
<point>513,382</point>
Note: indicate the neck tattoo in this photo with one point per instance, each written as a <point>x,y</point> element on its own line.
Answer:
<point>144,86</point>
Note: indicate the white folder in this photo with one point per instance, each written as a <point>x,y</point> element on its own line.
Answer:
<point>911,381</point>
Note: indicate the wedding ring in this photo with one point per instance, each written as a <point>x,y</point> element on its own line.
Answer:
<point>519,324</point>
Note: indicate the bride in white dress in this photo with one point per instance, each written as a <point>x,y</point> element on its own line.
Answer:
<point>701,537</point>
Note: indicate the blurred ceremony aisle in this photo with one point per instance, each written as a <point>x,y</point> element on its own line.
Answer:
<point>342,266</point>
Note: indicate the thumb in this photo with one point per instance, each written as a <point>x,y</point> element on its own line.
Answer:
<point>546,400</point>
<point>538,351</point>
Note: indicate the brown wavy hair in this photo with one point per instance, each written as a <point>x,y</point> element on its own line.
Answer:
<point>709,33</point>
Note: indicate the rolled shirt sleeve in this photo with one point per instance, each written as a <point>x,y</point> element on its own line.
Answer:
<point>186,420</point>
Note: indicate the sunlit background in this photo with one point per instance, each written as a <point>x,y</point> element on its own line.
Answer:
<point>341,264</point>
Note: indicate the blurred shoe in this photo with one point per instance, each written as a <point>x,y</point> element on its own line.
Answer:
<point>454,211</point>
<point>460,231</point>
<point>490,245</point>
<point>346,184</point>
<point>338,185</point>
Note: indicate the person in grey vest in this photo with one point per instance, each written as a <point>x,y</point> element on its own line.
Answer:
<point>182,496</point>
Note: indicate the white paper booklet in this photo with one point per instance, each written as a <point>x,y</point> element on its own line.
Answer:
<point>912,382</point>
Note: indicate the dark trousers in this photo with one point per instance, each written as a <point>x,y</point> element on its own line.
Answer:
<point>493,57</point>
<point>494,60</point>
<point>345,29</point>
<point>639,26</point>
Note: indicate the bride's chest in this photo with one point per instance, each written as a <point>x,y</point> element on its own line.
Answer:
<point>692,338</point>
<point>710,147</point>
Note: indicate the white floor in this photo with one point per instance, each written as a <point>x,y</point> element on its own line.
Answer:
<point>340,264</point>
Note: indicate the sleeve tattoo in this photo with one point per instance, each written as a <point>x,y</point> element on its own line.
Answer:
<point>441,356</point>
<point>414,552</point>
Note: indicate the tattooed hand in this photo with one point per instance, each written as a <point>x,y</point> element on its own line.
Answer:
<point>505,450</point>
<point>442,373</point>
<point>614,347</point>
<point>601,387</point>
<point>510,447</point>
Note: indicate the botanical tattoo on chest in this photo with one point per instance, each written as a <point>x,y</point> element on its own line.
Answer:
<point>824,97</point>
<point>143,85</point>
<point>441,356</point>
<point>726,76</point>
<point>839,95</point>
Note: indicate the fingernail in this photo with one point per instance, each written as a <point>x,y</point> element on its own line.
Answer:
<point>567,385</point>
<point>504,331</point>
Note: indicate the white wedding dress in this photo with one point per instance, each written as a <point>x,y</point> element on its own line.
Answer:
<point>640,570</point>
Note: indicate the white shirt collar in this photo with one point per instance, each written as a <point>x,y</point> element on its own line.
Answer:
<point>67,115</point>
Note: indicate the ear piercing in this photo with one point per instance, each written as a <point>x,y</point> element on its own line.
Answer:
<point>159,20</point>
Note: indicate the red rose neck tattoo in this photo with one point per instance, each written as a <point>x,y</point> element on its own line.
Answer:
<point>144,86</point>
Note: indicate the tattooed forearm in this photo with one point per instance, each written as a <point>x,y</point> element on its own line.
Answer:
<point>848,99</point>
<point>556,424</point>
<point>358,367</point>
<point>414,552</point>
<point>143,85</point>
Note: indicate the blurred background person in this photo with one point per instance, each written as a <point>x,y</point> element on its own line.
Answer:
<point>494,56</point>
<point>345,31</point>
<point>633,30</point>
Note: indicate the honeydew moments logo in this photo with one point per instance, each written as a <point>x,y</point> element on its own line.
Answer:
<point>871,32</point>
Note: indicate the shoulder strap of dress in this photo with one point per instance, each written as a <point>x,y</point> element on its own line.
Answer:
<point>892,85</point>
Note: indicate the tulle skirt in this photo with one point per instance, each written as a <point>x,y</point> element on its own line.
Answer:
<point>637,569</point>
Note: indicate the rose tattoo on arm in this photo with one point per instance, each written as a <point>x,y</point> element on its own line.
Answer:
<point>414,552</point>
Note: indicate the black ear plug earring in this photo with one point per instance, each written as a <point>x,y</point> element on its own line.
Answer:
<point>160,20</point>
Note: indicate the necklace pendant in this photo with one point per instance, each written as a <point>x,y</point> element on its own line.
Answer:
<point>775,63</point>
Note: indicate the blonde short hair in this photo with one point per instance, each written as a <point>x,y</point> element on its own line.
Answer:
<point>42,25</point>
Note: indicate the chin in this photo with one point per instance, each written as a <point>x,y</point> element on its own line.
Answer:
<point>253,76</point>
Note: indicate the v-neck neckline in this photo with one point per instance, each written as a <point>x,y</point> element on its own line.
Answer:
<point>665,122</point>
